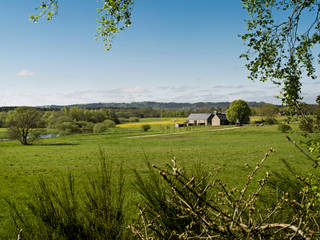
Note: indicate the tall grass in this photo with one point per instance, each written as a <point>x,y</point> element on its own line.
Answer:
<point>61,210</point>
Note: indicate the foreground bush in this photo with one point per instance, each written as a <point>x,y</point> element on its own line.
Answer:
<point>204,207</point>
<point>61,210</point>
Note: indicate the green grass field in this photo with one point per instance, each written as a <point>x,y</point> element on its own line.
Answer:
<point>20,166</point>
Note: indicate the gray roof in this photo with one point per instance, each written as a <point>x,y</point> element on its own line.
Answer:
<point>199,116</point>
<point>221,116</point>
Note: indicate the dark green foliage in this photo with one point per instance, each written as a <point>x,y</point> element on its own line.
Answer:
<point>60,210</point>
<point>284,128</point>
<point>145,127</point>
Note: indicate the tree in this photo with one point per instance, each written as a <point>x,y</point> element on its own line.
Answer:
<point>22,123</point>
<point>238,112</point>
<point>280,37</point>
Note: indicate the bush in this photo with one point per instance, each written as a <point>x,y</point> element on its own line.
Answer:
<point>86,127</point>
<point>145,127</point>
<point>102,127</point>
<point>284,128</point>
<point>59,210</point>
<point>202,206</point>
<point>109,123</point>
<point>161,204</point>
<point>99,128</point>
<point>66,128</point>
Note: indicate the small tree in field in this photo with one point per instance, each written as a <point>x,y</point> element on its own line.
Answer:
<point>21,124</point>
<point>238,112</point>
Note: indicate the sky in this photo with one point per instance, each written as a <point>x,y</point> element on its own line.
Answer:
<point>175,51</point>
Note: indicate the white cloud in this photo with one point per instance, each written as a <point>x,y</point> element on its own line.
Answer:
<point>137,89</point>
<point>26,73</point>
<point>178,93</point>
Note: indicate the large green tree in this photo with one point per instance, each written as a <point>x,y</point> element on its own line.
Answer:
<point>280,38</point>
<point>22,122</point>
<point>238,112</point>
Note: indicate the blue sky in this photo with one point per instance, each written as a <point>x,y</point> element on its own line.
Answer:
<point>176,50</point>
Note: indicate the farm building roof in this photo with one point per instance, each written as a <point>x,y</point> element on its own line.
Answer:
<point>221,116</point>
<point>199,116</point>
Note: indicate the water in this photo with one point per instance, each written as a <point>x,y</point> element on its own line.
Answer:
<point>50,135</point>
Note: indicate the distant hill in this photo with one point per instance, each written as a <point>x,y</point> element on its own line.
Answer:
<point>154,105</point>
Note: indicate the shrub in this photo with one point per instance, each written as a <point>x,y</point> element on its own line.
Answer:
<point>200,207</point>
<point>99,128</point>
<point>66,128</point>
<point>102,127</point>
<point>161,205</point>
<point>145,127</point>
<point>59,210</point>
<point>109,123</point>
<point>284,128</point>
<point>86,127</point>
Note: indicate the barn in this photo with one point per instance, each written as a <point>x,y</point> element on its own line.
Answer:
<point>199,119</point>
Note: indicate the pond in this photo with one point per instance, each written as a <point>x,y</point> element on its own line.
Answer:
<point>50,135</point>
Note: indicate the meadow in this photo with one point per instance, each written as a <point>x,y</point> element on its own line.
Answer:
<point>230,150</point>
